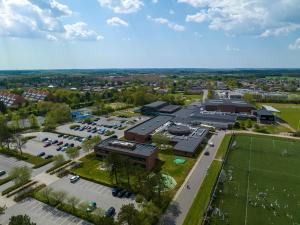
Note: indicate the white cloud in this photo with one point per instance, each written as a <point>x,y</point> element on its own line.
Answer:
<point>116,21</point>
<point>257,17</point>
<point>231,49</point>
<point>154,1</point>
<point>122,6</point>
<point>51,37</point>
<point>165,21</point>
<point>295,45</point>
<point>80,31</point>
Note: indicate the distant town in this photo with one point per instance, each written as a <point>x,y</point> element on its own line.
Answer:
<point>150,146</point>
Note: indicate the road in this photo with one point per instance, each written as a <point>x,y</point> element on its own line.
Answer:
<point>178,208</point>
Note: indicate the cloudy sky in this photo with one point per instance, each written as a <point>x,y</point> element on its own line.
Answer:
<point>43,34</point>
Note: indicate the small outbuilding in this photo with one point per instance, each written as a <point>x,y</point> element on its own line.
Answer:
<point>265,116</point>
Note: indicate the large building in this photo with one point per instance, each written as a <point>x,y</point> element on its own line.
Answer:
<point>11,99</point>
<point>227,105</point>
<point>141,154</point>
<point>158,108</point>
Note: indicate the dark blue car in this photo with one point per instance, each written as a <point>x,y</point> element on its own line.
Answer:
<point>110,212</point>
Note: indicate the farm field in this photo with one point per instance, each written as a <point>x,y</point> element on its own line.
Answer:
<point>288,112</point>
<point>261,183</point>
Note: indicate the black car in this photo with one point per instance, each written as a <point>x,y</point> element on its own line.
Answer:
<point>110,212</point>
<point>206,153</point>
<point>66,144</point>
<point>121,193</point>
<point>48,156</point>
<point>45,139</point>
<point>60,135</point>
<point>71,145</point>
<point>41,154</point>
<point>59,148</point>
<point>2,172</point>
<point>54,142</point>
<point>127,194</point>
<point>115,191</point>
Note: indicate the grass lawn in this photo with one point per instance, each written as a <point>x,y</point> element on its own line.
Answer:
<point>118,105</point>
<point>188,99</point>
<point>90,170</point>
<point>288,112</point>
<point>126,112</point>
<point>262,178</point>
<point>223,147</point>
<point>275,129</point>
<point>178,172</point>
<point>197,210</point>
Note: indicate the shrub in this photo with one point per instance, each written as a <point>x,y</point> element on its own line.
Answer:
<point>29,193</point>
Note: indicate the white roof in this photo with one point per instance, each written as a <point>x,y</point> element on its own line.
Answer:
<point>270,108</point>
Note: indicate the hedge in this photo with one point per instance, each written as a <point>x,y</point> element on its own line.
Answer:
<point>57,166</point>
<point>29,193</point>
<point>22,188</point>
<point>6,179</point>
<point>14,187</point>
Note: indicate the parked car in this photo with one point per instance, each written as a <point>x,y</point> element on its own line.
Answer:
<point>41,154</point>
<point>71,145</point>
<point>45,139</point>
<point>92,206</point>
<point>116,190</point>
<point>48,156</point>
<point>66,144</point>
<point>64,149</point>
<point>59,148</point>
<point>71,137</point>
<point>60,143</point>
<point>110,212</point>
<point>60,135</point>
<point>127,194</point>
<point>65,136</point>
<point>47,145</point>
<point>54,142</point>
<point>73,179</point>
<point>2,172</point>
<point>121,193</point>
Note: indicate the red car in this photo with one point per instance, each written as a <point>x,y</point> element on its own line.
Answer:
<point>47,145</point>
<point>60,143</point>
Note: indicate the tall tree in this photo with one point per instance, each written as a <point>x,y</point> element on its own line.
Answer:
<point>59,196</point>
<point>89,144</point>
<point>2,107</point>
<point>5,132</point>
<point>73,153</point>
<point>114,163</point>
<point>46,192</point>
<point>73,201</point>
<point>129,215</point>
<point>58,159</point>
<point>21,174</point>
<point>33,121</point>
<point>2,209</point>
<point>19,141</point>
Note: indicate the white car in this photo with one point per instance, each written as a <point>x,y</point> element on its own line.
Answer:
<point>73,179</point>
<point>211,144</point>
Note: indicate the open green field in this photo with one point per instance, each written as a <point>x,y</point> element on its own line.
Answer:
<point>261,183</point>
<point>288,112</point>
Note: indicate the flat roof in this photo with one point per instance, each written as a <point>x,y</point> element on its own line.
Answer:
<point>170,108</point>
<point>270,108</point>
<point>190,143</point>
<point>264,112</point>
<point>150,125</point>
<point>156,104</point>
<point>139,149</point>
<point>237,103</point>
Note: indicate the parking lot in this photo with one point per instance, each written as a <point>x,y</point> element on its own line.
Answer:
<point>102,126</point>
<point>41,213</point>
<point>37,145</point>
<point>89,191</point>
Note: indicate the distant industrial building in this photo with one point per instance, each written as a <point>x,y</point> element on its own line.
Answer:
<point>141,154</point>
<point>158,108</point>
<point>9,99</point>
<point>227,105</point>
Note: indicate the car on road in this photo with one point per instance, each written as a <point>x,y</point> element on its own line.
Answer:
<point>211,144</point>
<point>41,154</point>
<point>49,156</point>
<point>47,145</point>
<point>115,191</point>
<point>110,212</point>
<point>2,172</point>
<point>73,179</point>
<point>92,206</point>
<point>206,153</point>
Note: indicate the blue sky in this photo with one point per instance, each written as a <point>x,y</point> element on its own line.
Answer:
<point>51,34</point>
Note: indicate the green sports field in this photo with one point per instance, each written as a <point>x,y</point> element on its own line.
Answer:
<point>261,183</point>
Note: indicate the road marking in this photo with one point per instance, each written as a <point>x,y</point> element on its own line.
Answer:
<point>247,199</point>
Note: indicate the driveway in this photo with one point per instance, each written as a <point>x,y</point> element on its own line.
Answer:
<point>90,191</point>
<point>179,207</point>
<point>41,214</point>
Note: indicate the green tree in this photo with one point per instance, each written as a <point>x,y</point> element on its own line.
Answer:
<point>83,208</point>
<point>21,174</point>
<point>2,107</point>
<point>59,196</point>
<point>46,192</point>
<point>114,163</point>
<point>19,141</point>
<point>89,144</point>
<point>72,153</point>
<point>129,215</point>
<point>58,159</point>
<point>20,220</point>
<point>249,123</point>
<point>2,209</point>
<point>5,132</point>
<point>160,139</point>
<point>73,201</point>
<point>33,121</point>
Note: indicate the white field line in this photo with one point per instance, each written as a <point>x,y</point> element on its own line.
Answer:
<point>247,199</point>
